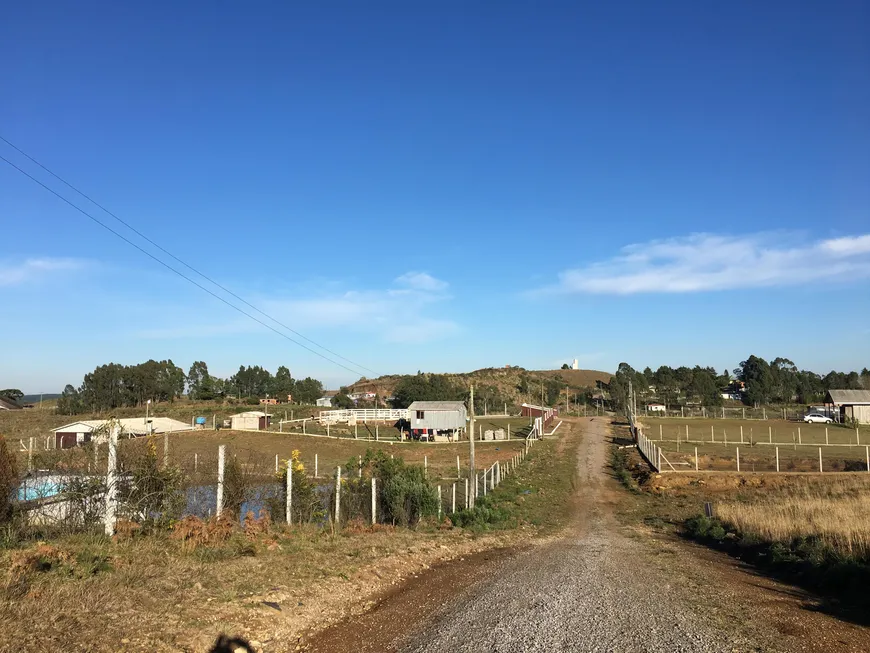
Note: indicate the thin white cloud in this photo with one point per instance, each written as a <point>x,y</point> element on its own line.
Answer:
<point>421,281</point>
<point>412,310</point>
<point>36,269</point>
<point>707,262</point>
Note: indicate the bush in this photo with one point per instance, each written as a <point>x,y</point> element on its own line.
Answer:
<point>483,514</point>
<point>307,505</point>
<point>404,494</point>
<point>150,493</point>
<point>8,482</point>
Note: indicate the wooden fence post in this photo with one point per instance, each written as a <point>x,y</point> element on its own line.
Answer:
<point>220,484</point>
<point>867,452</point>
<point>112,481</point>
<point>30,455</point>
<point>696,459</point>
<point>466,493</point>
<point>359,467</point>
<point>770,434</point>
<point>425,466</point>
<point>799,435</point>
<point>276,463</point>
<point>338,496</point>
<point>439,503</point>
<point>374,502</point>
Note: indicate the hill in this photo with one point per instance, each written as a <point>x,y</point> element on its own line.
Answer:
<point>34,399</point>
<point>513,385</point>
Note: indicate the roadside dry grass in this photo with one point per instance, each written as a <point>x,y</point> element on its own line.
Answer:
<point>147,594</point>
<point>841,522</point>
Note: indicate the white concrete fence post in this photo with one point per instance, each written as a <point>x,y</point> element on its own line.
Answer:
<point>220,484</point>
<point>737,449</point>
<point>439,503</point>
<point>374,501</point>
<point>820,460</point>
<point>112,481</point>
<point>289,506</point>
<point>777,459</point>
<point>315,465</point>
<point>466,493</point>
<point>338,495</point>
<point>453,500</point>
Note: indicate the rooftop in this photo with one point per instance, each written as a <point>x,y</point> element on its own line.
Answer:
<point>849,396</point>
<point>132,425</point>
<point>437,405</point>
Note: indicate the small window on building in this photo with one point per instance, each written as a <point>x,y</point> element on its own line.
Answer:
<point>419,414</point>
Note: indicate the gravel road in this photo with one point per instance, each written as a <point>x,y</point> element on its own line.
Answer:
<point>595,590</point>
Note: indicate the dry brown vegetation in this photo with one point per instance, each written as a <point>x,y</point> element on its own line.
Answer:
<point>840,522</point>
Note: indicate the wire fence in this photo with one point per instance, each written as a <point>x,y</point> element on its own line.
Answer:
<point>131,485</point>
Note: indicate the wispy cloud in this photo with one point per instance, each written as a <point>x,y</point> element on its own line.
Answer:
<point>707,262</point>
<point>407,311</point>
<point>421,281</point>
<point>35,269</point>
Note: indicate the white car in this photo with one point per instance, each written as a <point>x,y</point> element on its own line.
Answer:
<point>817,418</point>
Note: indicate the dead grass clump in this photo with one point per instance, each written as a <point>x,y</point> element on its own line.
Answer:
<point>126,530</point>
<point>193,532</point>
<point>43,557</point>
<point>255,527</point>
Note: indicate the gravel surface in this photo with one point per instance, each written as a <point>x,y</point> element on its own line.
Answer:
<point>595,590</point>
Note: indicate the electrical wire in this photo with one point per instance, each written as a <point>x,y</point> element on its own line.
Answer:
<point>172,269</point>
<point>173,256</point>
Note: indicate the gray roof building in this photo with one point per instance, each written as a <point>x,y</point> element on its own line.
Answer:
<point>852,405</point>
<point>437,415</point>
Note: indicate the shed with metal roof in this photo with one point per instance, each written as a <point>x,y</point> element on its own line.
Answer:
<point>851,405</point>
<point>437,416</point>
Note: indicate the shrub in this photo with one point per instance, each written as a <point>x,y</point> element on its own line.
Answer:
<point>8,482</point>
<point>151,493</point>
<point>404,494</point>
<point>307,505</point>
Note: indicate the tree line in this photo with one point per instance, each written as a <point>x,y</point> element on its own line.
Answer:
<point>755,381</point>
<point>113,386</point>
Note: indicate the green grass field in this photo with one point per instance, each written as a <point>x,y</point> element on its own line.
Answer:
<point>717,442</point>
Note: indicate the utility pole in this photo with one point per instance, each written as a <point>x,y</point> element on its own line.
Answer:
<point>472,475</point>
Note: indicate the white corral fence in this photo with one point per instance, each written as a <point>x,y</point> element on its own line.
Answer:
<point>354,415</point>
<point>649,450</point>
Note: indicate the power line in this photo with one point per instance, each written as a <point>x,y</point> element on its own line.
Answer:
<point>173,256</point>
<point>172,269</point>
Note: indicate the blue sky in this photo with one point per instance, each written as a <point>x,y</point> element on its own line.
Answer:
<point>439,187</point>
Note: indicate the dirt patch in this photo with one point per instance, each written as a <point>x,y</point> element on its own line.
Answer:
<point>402,609</point>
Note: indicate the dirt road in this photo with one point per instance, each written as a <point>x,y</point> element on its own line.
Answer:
<point>597,588</point>
<point>594,590</point>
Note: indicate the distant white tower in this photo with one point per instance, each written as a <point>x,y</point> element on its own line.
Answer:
<point>575,365</point>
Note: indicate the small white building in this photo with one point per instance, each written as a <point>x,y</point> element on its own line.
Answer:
<point>656,408</point>
<point>78,433</point>
<point>251,420</point>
